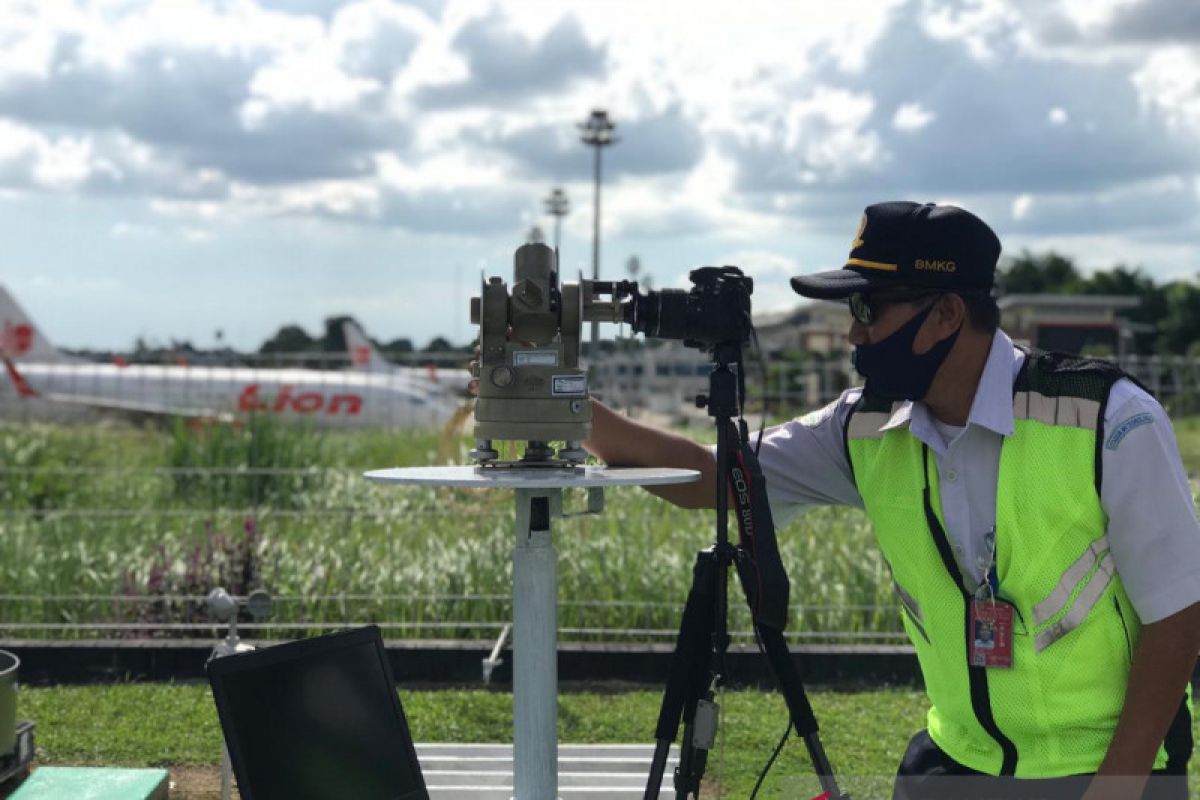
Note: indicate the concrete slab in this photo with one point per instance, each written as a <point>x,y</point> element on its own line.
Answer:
<point>585,772</point>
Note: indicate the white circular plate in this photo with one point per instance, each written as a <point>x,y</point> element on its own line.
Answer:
<point>492,478</point>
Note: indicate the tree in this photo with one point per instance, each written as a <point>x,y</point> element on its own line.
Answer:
<point>1180,326</point>
<point>438,345</point>
<point>288,339</point>
<point>1152,306</point>
<point>1031,273</point>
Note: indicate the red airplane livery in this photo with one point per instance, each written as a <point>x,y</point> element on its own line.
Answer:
<point>16,340</point>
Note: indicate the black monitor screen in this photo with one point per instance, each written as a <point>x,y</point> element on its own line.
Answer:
<point>316,719</point>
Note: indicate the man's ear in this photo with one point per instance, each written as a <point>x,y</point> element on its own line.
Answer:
<point>951,312</point>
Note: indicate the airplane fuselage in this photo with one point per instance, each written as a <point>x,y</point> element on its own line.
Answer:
<point>319,397</point>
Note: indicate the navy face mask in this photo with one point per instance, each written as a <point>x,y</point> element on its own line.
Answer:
<point>893,371</point>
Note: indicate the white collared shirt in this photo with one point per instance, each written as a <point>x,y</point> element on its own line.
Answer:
<point>1152,528</point>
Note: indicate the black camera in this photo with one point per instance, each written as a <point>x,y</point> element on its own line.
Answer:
<point>716,311</point>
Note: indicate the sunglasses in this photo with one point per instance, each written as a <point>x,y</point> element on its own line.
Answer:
<point>866,308</point>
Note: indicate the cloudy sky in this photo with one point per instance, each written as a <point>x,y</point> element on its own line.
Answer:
<point>170,169</point>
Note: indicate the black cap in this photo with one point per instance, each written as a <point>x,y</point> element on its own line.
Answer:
<point>911,245</point>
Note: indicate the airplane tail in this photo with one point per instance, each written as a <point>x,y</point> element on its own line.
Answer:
<point>364,356</point>
<point>18,380</point>
<point>20,339</point>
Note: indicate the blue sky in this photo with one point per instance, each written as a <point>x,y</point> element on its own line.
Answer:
<point>171,169</point>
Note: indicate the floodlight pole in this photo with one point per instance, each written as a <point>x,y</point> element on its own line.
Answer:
<point>597,132</point>
<point>557,206</point>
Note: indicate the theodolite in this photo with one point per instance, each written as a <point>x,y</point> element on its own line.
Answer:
<point>532,388</point>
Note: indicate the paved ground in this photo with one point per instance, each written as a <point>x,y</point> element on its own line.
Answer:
<point>196,783</point>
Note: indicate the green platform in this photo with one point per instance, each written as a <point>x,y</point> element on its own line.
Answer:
<point>93,783</point>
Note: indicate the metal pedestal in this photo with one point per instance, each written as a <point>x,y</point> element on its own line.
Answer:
<point>535,599</point>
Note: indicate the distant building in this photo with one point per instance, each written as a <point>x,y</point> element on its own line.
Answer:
<point>663,377</point>
<point>818,326</point>
<point>811,338</point>
<point>1074,323</point>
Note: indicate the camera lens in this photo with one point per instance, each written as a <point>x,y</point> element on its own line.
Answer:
<point>716,310</point>
<point>661,314</point>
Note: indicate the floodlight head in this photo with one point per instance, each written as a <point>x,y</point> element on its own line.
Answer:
<point>557,204</point>
<point>597,129</point>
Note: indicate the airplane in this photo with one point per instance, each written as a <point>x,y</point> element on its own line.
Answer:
<point>398,397</point>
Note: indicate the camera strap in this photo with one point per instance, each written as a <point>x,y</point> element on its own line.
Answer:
<point>759,566</point>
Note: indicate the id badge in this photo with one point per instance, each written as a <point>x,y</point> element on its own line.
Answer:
<point>991,634</point>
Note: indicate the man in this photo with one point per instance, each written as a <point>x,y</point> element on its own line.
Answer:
<point>1033,510</point>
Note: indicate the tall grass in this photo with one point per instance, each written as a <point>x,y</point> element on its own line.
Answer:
<point>258,463</point>
<point>115,524</point>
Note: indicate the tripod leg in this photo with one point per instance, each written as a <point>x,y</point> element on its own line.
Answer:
<point>688,677</point>
<point>787,677</point>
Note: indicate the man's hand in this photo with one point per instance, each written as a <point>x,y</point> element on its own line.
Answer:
<point>1115,787</point>
<point>472,371</point>
<point>621,442</point>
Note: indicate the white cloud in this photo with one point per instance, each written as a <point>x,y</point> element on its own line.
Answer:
<point>1057,116</point>
<point>66,162</point>
<point>1169,85</point>
<point>1091,13</point>
<point>770,272</point>
<point>1158,205</point>
<point>1021,206</point>
<point>376,39</point>
<point>30,159</point>
<point>911,117</point>
<point>18,142</point>
<point>821,132</point>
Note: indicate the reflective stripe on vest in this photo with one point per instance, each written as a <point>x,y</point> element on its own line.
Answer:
<point>1062,592</point>
<point>1084,603</point>
<point>909,604</point>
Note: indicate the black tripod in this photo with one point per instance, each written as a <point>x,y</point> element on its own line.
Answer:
<point>698,663</point>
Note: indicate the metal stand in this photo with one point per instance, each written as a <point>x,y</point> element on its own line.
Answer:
<point>535,597</point>
<point>535,645</point>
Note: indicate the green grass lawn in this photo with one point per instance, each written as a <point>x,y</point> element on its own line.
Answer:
<point>166,725</point>
<point>169,725</point>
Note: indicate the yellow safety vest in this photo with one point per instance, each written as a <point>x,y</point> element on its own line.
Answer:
<point>1054,711</point>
